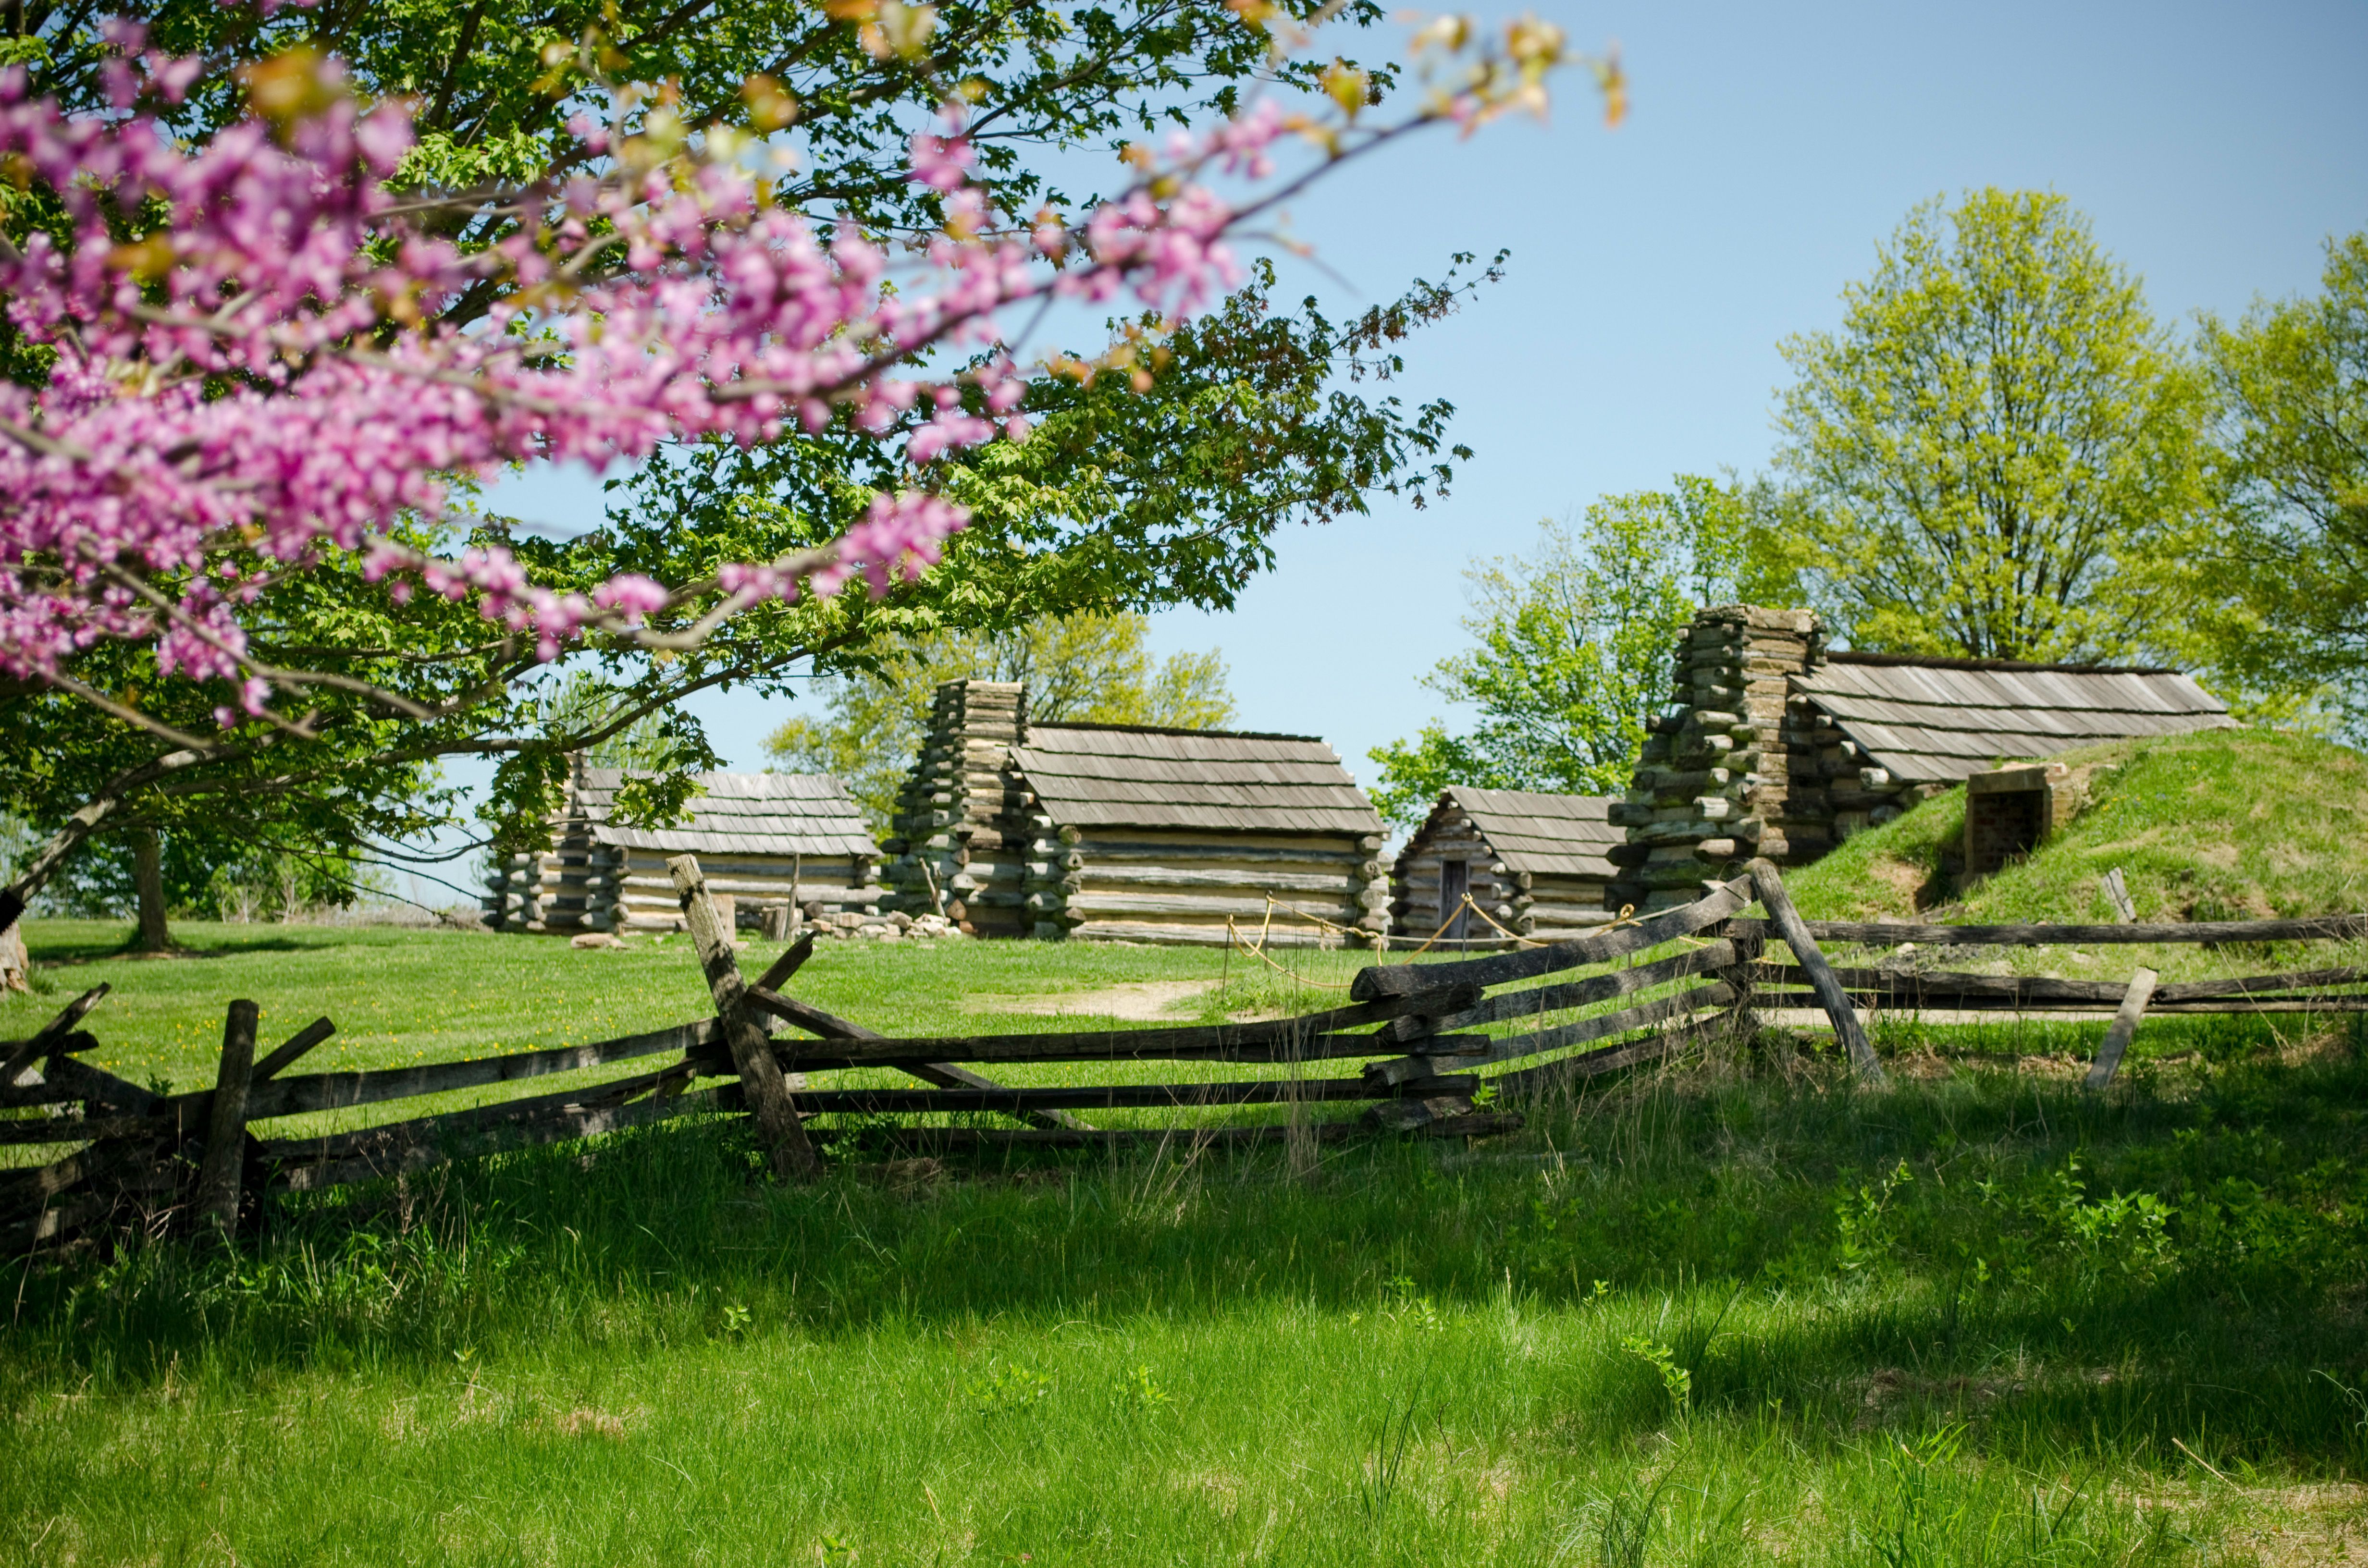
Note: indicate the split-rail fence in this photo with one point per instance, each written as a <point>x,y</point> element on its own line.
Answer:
<point>1424,1065</point>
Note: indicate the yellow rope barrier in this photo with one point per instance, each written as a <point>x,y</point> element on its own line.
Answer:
<point>1257,950</point>
<point>1435,936</point>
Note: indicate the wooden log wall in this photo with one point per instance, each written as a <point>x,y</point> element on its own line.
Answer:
<point>841,885</point>
<point>1738,766</point>
<point>1174,886</point>
<point>972,841</point>
<point>1565,906</point>
<point>955,846</point>
<point>581,885</point>
<point>571,886</point>
<point>1417,904</point>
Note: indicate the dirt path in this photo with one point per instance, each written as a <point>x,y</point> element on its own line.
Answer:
<point>1141,1001</point>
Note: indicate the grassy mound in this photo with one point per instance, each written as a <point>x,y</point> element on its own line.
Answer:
<point>2228,824</point>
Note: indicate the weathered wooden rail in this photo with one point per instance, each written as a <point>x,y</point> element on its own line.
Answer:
<point>195,1161</point>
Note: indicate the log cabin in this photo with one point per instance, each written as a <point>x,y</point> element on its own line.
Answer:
<point>1772,743</point>
<point>1537,864</point>
<point>780,840</point>
<point>1012,827</point>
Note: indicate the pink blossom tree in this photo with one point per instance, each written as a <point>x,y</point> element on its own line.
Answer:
<point>245,376</point>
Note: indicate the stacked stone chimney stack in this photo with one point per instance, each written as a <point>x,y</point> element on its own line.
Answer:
<point>1728,770</point>
<point>956,850</point>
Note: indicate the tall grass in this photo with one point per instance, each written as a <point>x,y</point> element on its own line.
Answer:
<point>1745,1312</point>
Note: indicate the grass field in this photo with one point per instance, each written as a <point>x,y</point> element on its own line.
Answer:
<point>1739,1312</point>
<point>403,996</point>
<point>2222,824</point>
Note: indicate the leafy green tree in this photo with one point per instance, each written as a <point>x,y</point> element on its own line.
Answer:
<point>2293,381</point>
<point>1571,647</point>
<point>336,802</point>
<point>496,81</point>
<point>2000,450</point>
<point>1091,669</point>
<point>1158,474</point>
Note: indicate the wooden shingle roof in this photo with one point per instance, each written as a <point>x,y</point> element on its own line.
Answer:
<point>1943,720</point>
<point>741,813</point>
<point>1544,835</point>
<point>1130,776</point>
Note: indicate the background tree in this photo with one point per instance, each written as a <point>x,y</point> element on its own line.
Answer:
<point>1571,647</point>
<point>234,840</point>
<point>2293,384</point>
<point>1999,449</point>
<point>1089,669</point>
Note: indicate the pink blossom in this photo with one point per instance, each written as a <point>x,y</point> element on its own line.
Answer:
<point>730,318</point>
<point>943,163</point>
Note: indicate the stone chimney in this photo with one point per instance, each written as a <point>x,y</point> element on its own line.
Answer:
<point>1728,769</point>
<point>955,850</point>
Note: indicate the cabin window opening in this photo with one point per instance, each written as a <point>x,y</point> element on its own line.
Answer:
<point>1454,882</point>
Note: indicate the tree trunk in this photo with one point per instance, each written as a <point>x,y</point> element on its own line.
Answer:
<point>148,874</point>
<point>36,872</point>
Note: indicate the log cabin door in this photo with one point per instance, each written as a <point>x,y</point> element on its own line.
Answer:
<point>1454,881</point>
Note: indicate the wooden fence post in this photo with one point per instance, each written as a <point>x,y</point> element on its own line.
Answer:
<point>1769,884</point>
<point>218,1175</point>
<point>2117,893</point>
<point>2124,1028</point>
<point>769,1092</point>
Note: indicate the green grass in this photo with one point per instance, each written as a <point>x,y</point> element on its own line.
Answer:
<point>1389,1360</point>
<point>404,995</point>
<point>1739,1313</point>
<point>400,996</point>
<point>2224,824</point>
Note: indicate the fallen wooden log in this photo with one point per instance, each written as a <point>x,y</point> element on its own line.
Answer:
<point>1398,980</point>
<point>1890,933</point>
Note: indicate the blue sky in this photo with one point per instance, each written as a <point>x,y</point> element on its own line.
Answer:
<point>1655,268</point>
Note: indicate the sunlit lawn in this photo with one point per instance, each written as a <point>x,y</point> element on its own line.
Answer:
<point>1739,1314</point>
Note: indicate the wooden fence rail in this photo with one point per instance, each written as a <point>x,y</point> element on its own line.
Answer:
<point>194,1160</point>
<point>2213,933</point>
